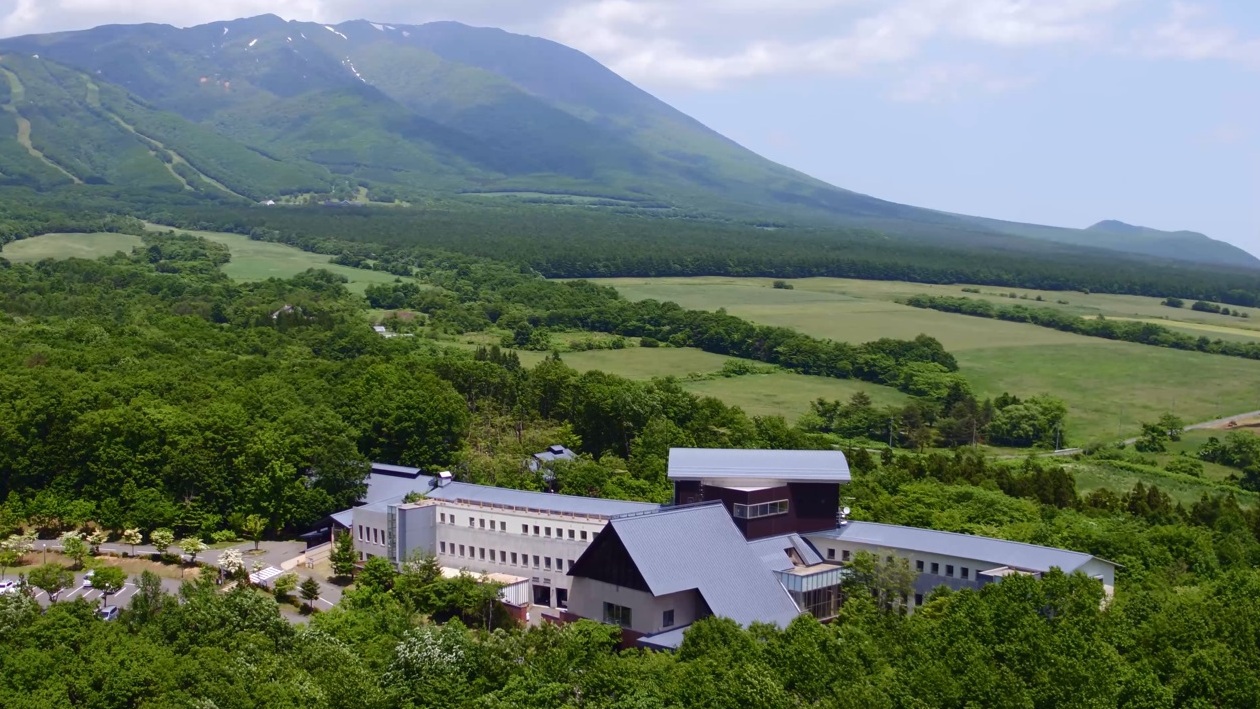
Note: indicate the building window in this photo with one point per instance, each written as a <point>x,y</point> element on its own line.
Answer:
<point>483,523</point>
<point>502,557</point>
<point>443,547</point>
<point>472,522</point>
<point>443,518</point>
<point>966,573</point>
<point>918,566</point>
<point>503,526</point>
<point>360,532</point>
<point>570,564</point>
<point>936,568</point>
<point>949,570</point>
<point>481,553</point>
<point>513,558</point>
<point>547,531</point>
<point>667,619</point>
<point>559,564</point>
<point>535,561</point>
<point>547,562</point>
<point>918,600</point>
<point>616,615</point>
<point>524,529</point>
<point>461,549</point>
<point>831,554</point>
<point>361,557</point>
<point>844,555</point>
<point>765,509</point>
<point>583,535</point>
<point>571,535</point>
<point>535,530</point>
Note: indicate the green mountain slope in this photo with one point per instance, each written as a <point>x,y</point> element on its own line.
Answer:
<point>264,107</point>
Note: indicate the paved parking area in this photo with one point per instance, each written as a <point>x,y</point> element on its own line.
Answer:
<point>94,596</point>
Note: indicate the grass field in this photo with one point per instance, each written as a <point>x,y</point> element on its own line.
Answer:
<point>260,260</point>
<point>645,363</point>
<point>59,246</point>
<point>1109,386</point>
<point>787,394</point>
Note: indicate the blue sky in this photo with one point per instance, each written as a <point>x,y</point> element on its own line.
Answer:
<point>1059,112</point>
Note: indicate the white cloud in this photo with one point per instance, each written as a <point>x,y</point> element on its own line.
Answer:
<point>1190,33</point>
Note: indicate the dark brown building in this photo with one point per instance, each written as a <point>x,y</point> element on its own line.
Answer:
<point>766,492</point>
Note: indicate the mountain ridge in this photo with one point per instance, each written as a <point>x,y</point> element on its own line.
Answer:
<point>266,107</point>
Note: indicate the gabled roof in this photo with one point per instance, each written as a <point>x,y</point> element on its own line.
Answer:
<point>389,481</point>
<point>700,548</point>
<point>999,552</point>
<point>755,464</point>
<point>773,551</point>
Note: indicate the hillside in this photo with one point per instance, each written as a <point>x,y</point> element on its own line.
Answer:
<point>263,108</point>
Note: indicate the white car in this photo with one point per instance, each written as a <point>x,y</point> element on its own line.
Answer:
<point>107,613</point>
<point>87,579</point>
<point>7,587</point>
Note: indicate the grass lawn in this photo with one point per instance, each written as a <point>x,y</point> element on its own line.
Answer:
<point>260,260</point>
<point>646,363</point>
<point>1109,386</point>
<point>787,394</point>
<point>59,246</point>
<point>1093,476</point>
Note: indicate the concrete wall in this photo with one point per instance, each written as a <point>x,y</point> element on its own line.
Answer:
<point>417,530</point>
<point>369,533</point>
<point>588,596</point>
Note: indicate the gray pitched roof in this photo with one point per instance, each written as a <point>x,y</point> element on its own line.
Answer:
<point>999,552</point>
<point>530,500</point>
<point>773,551</point>
<point>700,548</point>
<point>387,482</point>
<point>788,466</point>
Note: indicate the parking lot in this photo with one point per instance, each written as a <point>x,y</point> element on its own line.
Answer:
<point>94,596</point>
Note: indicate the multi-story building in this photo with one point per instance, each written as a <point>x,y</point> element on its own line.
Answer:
<point>532,535</point>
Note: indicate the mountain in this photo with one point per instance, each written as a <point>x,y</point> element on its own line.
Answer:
<point>263,108</point>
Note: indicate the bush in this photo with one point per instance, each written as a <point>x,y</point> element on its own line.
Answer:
<point>1174,302</point>
<point>1184,465</point>
<point>783,285</point>
<point>224,537</point>
<point>649,342</point>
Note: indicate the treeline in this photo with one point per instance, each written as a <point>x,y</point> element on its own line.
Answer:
<point>1143,333</point>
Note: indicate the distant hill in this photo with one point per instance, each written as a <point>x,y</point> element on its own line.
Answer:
<point>263,108</point>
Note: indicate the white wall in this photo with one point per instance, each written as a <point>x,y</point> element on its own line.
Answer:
<point>588,596</point>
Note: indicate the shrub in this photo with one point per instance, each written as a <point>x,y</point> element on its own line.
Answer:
<point>649,342</point>
<point>224,536</point>
<point>783,285</point>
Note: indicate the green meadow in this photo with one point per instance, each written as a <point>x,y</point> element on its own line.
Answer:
<point>1110,387</point>
<point>59,246</point>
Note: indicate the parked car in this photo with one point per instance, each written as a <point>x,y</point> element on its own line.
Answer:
<point>7,587</point>
<point>87,579</point>
<point>108,613</point>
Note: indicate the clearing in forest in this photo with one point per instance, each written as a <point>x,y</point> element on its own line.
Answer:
<point>61,246</point>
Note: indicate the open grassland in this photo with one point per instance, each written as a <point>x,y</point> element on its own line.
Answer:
<point>1092,476</point>
<point>787,394</point>
<point>59,246</point>
<point>260,260</point>
<point>1109,386</point>
<point>646,363</point>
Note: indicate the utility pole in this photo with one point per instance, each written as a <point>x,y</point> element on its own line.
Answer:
<point>890,432</point>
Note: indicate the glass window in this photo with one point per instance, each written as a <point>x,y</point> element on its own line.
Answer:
<point>481,552</point>
<point>493,556</point>
<point>524,529</point>
<point>667,619</point>
<point>535,530</point>
<point>949,570</point>
<point>844,555</point>
<point>571,534</point>
<point>461,549</point>
<point>966,573</point>
<point>443,547</point>
<point>616,615</point>
<point>570,564</point>
<point>502,557</point>
<point>443,518</point>
<point>472,522</point>
<point>360,532</point>
<point>583,535</point>
<point>547,562</point>
<point>483,523</point>
<point>535,561</point>
<point>831,553</point>
<point>559,564</point>
<point>513,558</point>
<point>936,568</point>
<point>918,565</point>
<point>503,526</point>
<point>547,531</point>
<point>764,509</point>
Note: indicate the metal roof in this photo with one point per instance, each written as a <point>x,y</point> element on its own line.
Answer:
<point>344,518</point>
<point>700,548</point>
<point>773,551</point>
<point>757,464</point>
<point>387,485</point>
<point>540,501</point>
<point>668,640</point>
<point>998,552</point>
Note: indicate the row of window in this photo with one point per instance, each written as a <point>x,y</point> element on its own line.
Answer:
<point>502,557</point>
<point>371,535</point>
<point>765,509</point>
<point>963,571</point>
<point>479,523</point>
